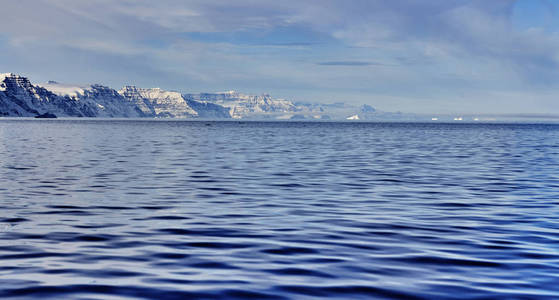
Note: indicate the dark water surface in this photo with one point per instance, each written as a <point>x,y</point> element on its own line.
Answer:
<point>175,210</point>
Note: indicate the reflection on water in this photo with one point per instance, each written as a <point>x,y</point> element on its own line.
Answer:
<point>179,209</point>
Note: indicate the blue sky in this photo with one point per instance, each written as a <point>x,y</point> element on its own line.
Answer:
<point>432,56</point>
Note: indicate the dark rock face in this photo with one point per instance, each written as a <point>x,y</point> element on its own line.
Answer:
<point>18,97</point>
<point>209,110</point>
<point>46,115</point>
<point>298,117</point>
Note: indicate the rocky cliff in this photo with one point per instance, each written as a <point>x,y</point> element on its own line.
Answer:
<point>243,106</point>
<point>158,103</point>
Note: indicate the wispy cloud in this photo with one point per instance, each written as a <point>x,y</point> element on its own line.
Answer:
<point>316,48</point>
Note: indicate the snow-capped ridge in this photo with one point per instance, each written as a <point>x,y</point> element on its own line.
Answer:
<point>243,105</point>
<point>4,75</point>
<point>60,89</point>
<point>19,97</point>
<point>11,79</point>
<point>158,102</point>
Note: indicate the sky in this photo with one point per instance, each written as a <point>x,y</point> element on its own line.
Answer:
<point>420,56</point>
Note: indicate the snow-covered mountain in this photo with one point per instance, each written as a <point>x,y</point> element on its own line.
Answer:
<point>158,103</point>
<point>20,98</point>
<point>106,102</point>
<point>245,106</point>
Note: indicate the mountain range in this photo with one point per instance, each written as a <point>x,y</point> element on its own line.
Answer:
<point>21,98</point>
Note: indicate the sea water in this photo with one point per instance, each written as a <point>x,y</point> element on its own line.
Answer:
<point>288,210</point>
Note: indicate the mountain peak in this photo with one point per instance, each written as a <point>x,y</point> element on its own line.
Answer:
<point>367,109</point>
<point>12,76</point>
<point>130,89</point>
<point>13,80</point>
<point>4,75</point>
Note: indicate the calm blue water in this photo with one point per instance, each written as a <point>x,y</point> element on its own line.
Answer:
<point>177,209</point>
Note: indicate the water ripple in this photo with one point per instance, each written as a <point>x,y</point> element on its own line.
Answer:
<point>226,210</point>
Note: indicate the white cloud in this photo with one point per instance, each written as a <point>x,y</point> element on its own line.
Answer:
<point>421,49</point>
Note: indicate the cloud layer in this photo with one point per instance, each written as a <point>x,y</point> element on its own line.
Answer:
<point>422,56</point>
